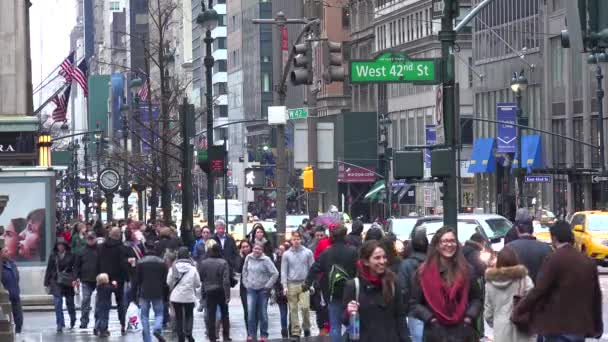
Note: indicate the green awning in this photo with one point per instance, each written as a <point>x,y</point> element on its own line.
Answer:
<point>375,191</point>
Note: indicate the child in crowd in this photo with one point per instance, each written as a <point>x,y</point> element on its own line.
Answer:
<point>103,305</point>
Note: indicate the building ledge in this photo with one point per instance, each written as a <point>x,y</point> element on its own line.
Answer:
<point>19,123</point>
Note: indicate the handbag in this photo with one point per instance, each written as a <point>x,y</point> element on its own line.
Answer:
<point>64,278</point>
<point>522,320</point>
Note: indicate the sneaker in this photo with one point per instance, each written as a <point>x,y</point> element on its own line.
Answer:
<point>249,339</point>
<point>83,326</point>
<point>95,332</point>
<point>263,339</point>
<point>226,338</point>
<point>306,333</point>
<point>59,330</point>
<point>104,334</point>
<point>72,325</point>
<point>159,336</point>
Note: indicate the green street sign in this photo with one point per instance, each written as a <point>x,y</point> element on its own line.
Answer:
<point>395,67</point>
<point>297,113</point>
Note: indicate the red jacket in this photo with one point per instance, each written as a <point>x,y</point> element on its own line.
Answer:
<point>321,247</point>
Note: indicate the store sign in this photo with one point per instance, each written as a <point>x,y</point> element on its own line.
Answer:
<point>7,148</point>
<point>356,174</point>
<point>17,142</point>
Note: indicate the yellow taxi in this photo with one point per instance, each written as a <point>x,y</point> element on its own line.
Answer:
<point>591,234</point>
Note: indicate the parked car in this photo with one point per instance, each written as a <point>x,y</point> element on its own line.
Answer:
<point>591,234</point>
<point>465,230</point>
<point>494,226</point>
<point>403,228</point>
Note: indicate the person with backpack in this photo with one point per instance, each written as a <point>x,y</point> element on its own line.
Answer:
<point>338,265</point>
<point>375,296</point>
<point>183,281</point>
<point>418,248</point>
<point>503,283</point>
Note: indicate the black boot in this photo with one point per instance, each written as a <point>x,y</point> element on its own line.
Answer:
<point>284,333</point>
<point>226,329</point>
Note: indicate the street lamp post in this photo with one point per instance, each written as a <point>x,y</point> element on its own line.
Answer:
<point>86,198</point>
<point>125,190</point>
<point>209,20</point>
<point>385,122</point>
<point>98,196</point>
<point>597,58</point>
<point>519,84</point>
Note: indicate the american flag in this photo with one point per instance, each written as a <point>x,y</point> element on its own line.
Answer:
<point>61,102</point>
<point>143,91</point>
<point>66,67</point>
<point>80,74</point>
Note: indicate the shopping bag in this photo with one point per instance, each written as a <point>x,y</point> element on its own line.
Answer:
<point>133,320</point>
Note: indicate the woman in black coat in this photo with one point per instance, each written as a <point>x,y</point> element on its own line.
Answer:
<point>259,234</point>
<point>375,295</point>
<point>59,272</point>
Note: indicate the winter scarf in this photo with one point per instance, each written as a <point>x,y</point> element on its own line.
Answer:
<point>365,274</point>
<point>448,302</point>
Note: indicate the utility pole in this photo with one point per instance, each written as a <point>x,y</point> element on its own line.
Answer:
<point>313,158</point>
<point>447,36</point>
<point>187,121</point>
<point>279,99</point>
<point>600,127</point>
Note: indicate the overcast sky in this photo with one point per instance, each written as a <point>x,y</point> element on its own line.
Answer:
<point>51,22</point>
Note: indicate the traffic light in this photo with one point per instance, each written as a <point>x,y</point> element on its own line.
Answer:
<point>308,179</point>
<point>302,62</point>
<point>334,70</point>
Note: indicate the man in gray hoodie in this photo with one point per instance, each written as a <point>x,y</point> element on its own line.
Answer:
<point>259,277</point>
<point>294,268</point>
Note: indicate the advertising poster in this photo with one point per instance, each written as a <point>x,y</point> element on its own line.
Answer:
<point>23,220</point>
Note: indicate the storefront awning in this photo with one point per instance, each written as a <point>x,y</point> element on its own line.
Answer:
<point>531,152</point>
<point>482,157</point>
<point>374,192</point>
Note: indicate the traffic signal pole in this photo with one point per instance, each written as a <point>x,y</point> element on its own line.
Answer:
<point>447,36</point>
<point>311,122</point>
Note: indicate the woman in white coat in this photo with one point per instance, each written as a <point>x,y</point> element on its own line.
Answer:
<point>183,281</point>
<point>509,278</point>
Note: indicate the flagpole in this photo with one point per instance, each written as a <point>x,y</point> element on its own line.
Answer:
<point>62,88</point>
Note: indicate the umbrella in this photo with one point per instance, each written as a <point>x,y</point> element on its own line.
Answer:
<point>326,220</point>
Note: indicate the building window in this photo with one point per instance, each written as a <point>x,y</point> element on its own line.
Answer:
<point>345,18</point>
<point>221,20</point>
<point>114,6</point>
<point>220,88</point>
<point>220,66</point>
<point>265,59</point>
<point>557,63</point>
<point>219,43</point>
<point>266,86</point>
<point>221,111</point>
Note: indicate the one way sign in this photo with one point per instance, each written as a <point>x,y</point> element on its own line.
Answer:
<point>255,178</point>
<point>599,179</point>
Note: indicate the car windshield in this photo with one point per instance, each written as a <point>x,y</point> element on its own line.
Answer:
<point>598,223</point>
<point>499,226</point>
<point>465,229</point>
<point>403,227</point>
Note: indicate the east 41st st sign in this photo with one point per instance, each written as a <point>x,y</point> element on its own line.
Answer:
<point>395,67</point>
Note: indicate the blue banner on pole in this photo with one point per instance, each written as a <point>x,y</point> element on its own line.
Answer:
<point>431,139</point>
<point>506,135</point>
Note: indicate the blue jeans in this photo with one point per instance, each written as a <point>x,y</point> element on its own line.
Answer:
<point>158,307</point>
<point>102,317</point>
<point>87,289</point>
<point>416,327</point>
<point>336,309</point>
<point>257,305</point>
<point>283,312</point>
<point>58,302</point>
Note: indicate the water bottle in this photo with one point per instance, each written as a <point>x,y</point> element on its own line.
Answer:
<point>354,326</point>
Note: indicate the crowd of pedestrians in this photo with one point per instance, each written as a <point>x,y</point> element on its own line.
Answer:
<point>358,283</point>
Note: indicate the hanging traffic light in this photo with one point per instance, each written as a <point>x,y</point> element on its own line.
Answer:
<point>302,62</point>
<point>308,179</point>
<point>334,70</point>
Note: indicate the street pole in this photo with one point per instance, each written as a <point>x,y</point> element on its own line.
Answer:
<point>225,180</point>
<point>98,197</point>
<point>86,199</point>
<point>447,36</point>
<point>279,99</point>
<point>186,113</point>
<point>126,190</point>
<point>76,178</point>
<point>600,127</point>
<point>313,199</point>
<point>520,183</point>
<point>109,206</point>
<point>209,61</point>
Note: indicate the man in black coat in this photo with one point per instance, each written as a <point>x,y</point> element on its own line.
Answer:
<point>226,243</point>
<point>113,261</point>
<point>150,282</point>
<point>87,269</point>
<point>343,256</point>
<point>531,252</point>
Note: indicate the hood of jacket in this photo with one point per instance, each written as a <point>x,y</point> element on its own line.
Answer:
<point>418,256</point>
<point>184,265</point>
<point>503,277</point>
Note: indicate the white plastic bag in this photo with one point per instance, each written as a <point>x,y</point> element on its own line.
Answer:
<point>133,318</point>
